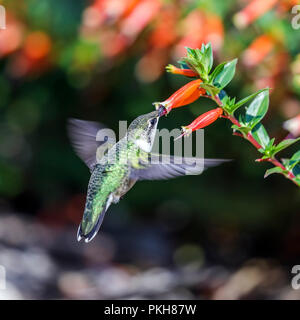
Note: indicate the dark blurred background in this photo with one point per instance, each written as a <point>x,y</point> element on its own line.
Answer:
<point>227,234</point>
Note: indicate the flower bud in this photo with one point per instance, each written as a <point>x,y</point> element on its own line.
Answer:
<point>202,121</point>
<point>185,72</point>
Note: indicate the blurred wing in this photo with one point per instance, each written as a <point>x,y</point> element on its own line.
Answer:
<point>161,167</point>
<point>89,139</point>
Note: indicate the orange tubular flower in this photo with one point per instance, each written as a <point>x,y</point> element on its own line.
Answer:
<point>184,72</point>
<point>139,18</point>
<point>164,32</point>
<point>253,11</point>
<point>258,50</point>
<point>185,95</point>
<point>202,121</point>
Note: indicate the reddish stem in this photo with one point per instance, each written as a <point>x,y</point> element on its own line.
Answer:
<point>233,120</point>
<point>251,139</point>
<point>280,165</point>
<point>237,134</point>
<point>218,101</point>
<point>277,163</point>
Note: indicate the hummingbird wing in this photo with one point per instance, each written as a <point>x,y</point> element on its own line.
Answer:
<point>90,140</point>
<point>159,167</point>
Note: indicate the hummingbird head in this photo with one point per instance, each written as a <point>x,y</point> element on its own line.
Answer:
<point>142,130</point>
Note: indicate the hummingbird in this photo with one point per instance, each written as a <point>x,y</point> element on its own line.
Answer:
<point>118,166</point>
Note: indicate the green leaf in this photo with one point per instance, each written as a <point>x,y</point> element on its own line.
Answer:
<point>208,57</point>
<point>183,65</point>
<point>200,61</point>
<point>296,156</point>
<point>225,75</point>
<point>273,170</point>
<point>267,151</point>
<point>191,53</point>
<point>244,130</point>
<point>270,144</point>
<point>228,103</point>
<point>235,127</point>
<point>257,109</point>
<point>291,163</point>
<point>192,60</point>
<point>216,71</point>
<point>284,144</point>
<point>212,90</point>
<point>260,135</point>
<point>245,100</point>
<point>296,170</point>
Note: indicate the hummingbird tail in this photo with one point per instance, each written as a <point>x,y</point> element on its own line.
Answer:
<point>90,235</point>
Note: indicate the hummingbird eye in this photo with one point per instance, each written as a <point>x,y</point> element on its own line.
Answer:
<point>153,121</point>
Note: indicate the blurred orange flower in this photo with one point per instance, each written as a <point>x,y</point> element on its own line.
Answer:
<point>258,50</point>
<point>252,11</point>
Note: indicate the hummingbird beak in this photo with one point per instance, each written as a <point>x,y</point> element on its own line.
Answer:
<point>179,137</point>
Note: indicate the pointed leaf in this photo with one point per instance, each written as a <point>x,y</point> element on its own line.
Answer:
<point>257,109</point>
<point>216,71</point>
<point>284,144</point>
<point>234,127</point>
<point>291,163</point>
<point>191,53</point>
<point>270,144</point>
<point>260,135</point>
<point>296,170</point>
<point>245,100</point>
<point>242,129</point>
<point>225,75</point>
<point>200,60</point>
<point>209,58</point>
<point>273,170</point>
<point>183,64</point>
<point>209,88</point>
<point>296,156</point>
